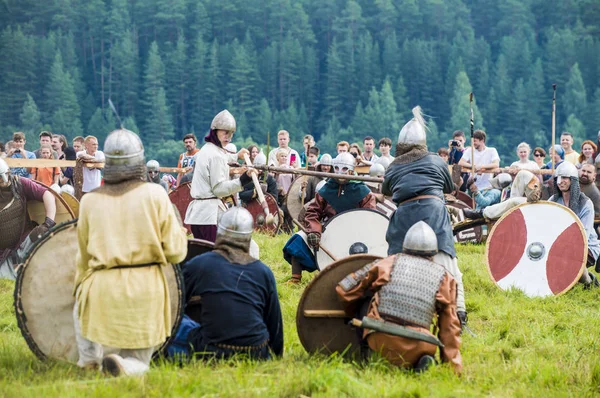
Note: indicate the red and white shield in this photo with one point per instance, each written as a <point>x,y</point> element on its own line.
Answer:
<point>539,248</point>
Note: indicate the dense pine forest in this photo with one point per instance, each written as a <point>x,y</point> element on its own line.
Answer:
<point>339,69</point>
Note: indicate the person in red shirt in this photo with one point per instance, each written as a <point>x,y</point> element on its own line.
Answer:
<point>46,175</point>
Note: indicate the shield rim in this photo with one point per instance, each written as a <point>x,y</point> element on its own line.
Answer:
<point>346,212</point>
<point>369,258</point>
<point>75,210</point>
<point>491,235</point>
<point>58,197</point>
<point>287,196</point>
<point>22,317</point>
<point>187,226</point>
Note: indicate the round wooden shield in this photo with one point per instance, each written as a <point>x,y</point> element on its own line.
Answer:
<point>466,199</point>
<point>350,228</point>
<point>320,318</point>
<point>72,202</point>
<point>37,211</point>
<point>181,198</point>
<point>44,295</point>
<point>474,234</point>
<point>196,247</point>
<point>256,209</point>
<point>293,199</point>
<point>539,248</point>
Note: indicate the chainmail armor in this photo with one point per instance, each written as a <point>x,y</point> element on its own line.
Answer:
<point>577,198</point>
<point>410,293</point>
<point>13,214</point>
<point>352,280</point>
<point>114,174</point>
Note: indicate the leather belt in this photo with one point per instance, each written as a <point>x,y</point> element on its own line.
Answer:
<point>243,348</point>
<point>420,197</point>
<point>134,265</point>
<point>212,197</point>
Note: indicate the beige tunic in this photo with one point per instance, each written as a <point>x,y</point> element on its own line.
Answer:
<point>126,308</point>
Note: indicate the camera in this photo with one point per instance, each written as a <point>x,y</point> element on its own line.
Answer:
<point>354,154</point>
<point>17,151</point>
<point>454,143</point>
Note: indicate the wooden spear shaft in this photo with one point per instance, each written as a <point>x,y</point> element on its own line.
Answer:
<point>553,124</point>
<point>472,146</point>
<point>317,174</point>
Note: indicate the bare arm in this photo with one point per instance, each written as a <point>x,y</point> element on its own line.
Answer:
<point>49,204</point>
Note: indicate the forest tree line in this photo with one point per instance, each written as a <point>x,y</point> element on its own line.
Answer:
<point>337,69</point>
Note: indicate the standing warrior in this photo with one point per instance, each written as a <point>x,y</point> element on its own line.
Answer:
<point>417,181</point>
<point>16,233</point>
<point>410,290</point>
<point>336,196</point>
<point>153,169</point>
<point>211,178</point>
<point>127,233</point>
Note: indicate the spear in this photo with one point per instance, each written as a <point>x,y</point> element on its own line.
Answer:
<point>112,106</point>
<point>472,146</point>
<point>553,123</point>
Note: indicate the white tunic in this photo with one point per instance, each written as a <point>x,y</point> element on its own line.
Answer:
<point>211,183</point>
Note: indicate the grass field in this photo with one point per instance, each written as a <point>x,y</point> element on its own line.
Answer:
<point>524,347</point>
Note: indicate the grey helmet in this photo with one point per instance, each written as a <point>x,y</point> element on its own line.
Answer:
<point>4,171</point>
<point>260,159</point>
<point>567,170</point>
<point>124,153</point>
<point>377,170</point>
<point>224,120</point>
<point>385,162</point>
<point>343,161</point>
<point>414,132</point>
<point>153,165</point>
<point>420,240</point>
<point>237,224</point>
<point>326,160</point>
<point>501,181</point>
<point>68,189</point>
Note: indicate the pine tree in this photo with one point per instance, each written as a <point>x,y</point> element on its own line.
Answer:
<point>575,127</point>
<point>176,83</point>
<point>198,101</point>
<point>460,106</point>
<point>30,119</point>
<point>593,112</point>
<point>401,98</point>
<point>335,82</point>
<point>263,122</point>
<point>213,78</point>
<point>539,111</point>
<point>101,124</point>
<point>159,125</point>
<point>391,56</point>
<point>64,109</point>
<point>575,97</point>
<point>126,74</point>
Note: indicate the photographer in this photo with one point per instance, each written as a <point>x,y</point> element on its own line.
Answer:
<point>18,152</point>
<point>456,146</point>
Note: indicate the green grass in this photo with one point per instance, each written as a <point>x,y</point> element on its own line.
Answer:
<point>524,347</point>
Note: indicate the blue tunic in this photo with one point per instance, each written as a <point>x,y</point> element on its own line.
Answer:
<point>240,306</point>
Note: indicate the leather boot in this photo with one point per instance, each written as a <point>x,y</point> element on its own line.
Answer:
<point>473,214</point>
<point>424,363</point>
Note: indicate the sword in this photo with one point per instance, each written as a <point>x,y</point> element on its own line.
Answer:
<point>468,329</point>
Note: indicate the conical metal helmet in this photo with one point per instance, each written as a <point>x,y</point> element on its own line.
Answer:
<point>385,162</point>
<point>68,189</point>
<point>415,131</point>
<point>344,160</point>
<point>260,159</point>
<point>153,165</point>
<point>224,120</point>
<point>420,240</point>
<point>326,160</point>
<point>4,171</point>
<point>236,223</point>
<point>566,169</point>
<point>501,181</point>
<point>376,170</point>
<point>124,153</point>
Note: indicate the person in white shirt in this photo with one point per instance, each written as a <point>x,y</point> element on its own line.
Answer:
<point>369,157</point>
<point>92,176</point>
<point>283,138</point>
<point>211,180</point>
<point>486,158</point>
<point>524,163</point>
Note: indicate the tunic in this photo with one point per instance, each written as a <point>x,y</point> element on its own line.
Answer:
<point>126,307</point>
<point>210,183</point>
<point>403,351</point>
<point>426,176</point>
<point>240,306</point>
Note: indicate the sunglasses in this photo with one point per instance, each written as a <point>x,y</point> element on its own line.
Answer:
<point>153,172</point>
<point>538,155</point>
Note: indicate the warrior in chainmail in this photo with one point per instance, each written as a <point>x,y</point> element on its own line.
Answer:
<point>153,170</point>
<point>417,181</point>
<point>17,232</point>
<point>566,178</point>
<point>410,291</point>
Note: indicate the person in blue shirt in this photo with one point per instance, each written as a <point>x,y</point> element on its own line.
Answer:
<point>490,196</point>
<point>18,152</point>
<point>239,307</point>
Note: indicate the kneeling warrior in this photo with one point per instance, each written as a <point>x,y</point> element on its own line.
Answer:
<point>336,196</point>
<point>409,291</point>
<point>17,235</point>
<point>240,310</point>
<point>127,232</point>
<point>566,179</point>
